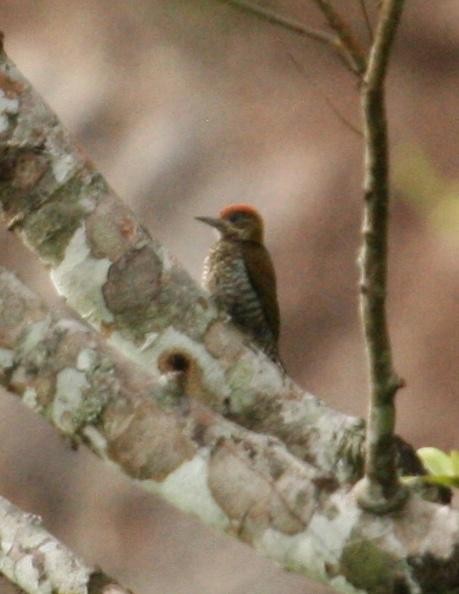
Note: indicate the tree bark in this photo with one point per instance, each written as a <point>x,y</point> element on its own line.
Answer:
<point>37,563</point>
<point>281,479</point>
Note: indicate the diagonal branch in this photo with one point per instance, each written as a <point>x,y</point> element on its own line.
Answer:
<point>281,481</point>
<point>244,483</point>
<point>381,490</point>
<point>128,286</point>
<point>354,53</point>
<point>297,27</point>
<point>38,563</point>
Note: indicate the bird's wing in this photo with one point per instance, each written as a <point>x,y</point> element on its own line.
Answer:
<point>261,273</point>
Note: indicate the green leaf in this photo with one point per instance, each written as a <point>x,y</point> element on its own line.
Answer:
<point>436,462</point>
<point>445,480</point>
<point>454,455</point>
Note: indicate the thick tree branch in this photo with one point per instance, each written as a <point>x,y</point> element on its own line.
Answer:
<point>381,490</point>
<point>163,431</point>
<point>37,563</point>
<point>130,288</point>
<point>244,483</point>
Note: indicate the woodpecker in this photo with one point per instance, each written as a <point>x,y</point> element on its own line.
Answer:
<point>239,274</point>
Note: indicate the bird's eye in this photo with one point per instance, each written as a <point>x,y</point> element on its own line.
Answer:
<point>235,217</point>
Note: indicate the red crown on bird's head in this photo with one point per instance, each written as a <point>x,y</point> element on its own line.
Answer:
<point>232,209</point>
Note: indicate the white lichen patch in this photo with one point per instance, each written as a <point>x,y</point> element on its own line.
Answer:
<point>66,573</point>
<point>64,167</point>
<point>340,584</point>
<point>443,534</point>
<point>86,359</point>
<point>413,586</point>
<point>36,332</point>
<point>331,534</point>
<point>166,259</point>
<point>71,326</point>
<point>239,378</point>
<point>319,546</point>
<point>187,488</point>
<point>87,204</point>
<point>8,106</point>
<point>139,355</point>
<point>251,376</point>
<point>328,425</point>
<point>29,398</point>
<point>6,358</point>
<point>68,399</point>
<point>303,408</point>
<point>3,123</point>
<point>149,340</point>
<point>33,559</point>
<point>27,575</point>
<point>80,277</point>
<point>64,163</point>
<point>97,440</point>
<point>267,378</point>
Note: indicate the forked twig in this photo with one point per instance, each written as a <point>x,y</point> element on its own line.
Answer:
<point>380,491</point>
<point>354,52</point>
<point>277,19</point>
<point>366,18</point>
<point>294,26</point>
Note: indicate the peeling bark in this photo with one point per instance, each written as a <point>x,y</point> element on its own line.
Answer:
<point>282,478</point>
<point>244,483</point>
<point>136,294</point>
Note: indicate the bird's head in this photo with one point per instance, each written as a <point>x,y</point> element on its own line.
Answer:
<point>238,221</point>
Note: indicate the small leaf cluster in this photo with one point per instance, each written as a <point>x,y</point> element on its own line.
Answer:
<point>443,468</point>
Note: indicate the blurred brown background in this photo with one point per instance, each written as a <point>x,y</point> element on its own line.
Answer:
<point>185,106</point>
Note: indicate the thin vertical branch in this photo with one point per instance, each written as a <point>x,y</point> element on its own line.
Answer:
<point>380,491</point>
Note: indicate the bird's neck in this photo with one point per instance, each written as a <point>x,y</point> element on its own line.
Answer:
<point>239,241</point>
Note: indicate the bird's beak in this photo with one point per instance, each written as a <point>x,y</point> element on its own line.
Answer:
<point>218,224</point>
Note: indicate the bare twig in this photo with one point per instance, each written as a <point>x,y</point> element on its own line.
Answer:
<point>366,18</point>
<point>341,117</point>
<point>287,23</point>
<point>380,491</point>
<point>294,26</point>
<point>352,49</point>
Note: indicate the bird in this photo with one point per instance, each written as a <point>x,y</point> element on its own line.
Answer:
<point>239,274</point>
